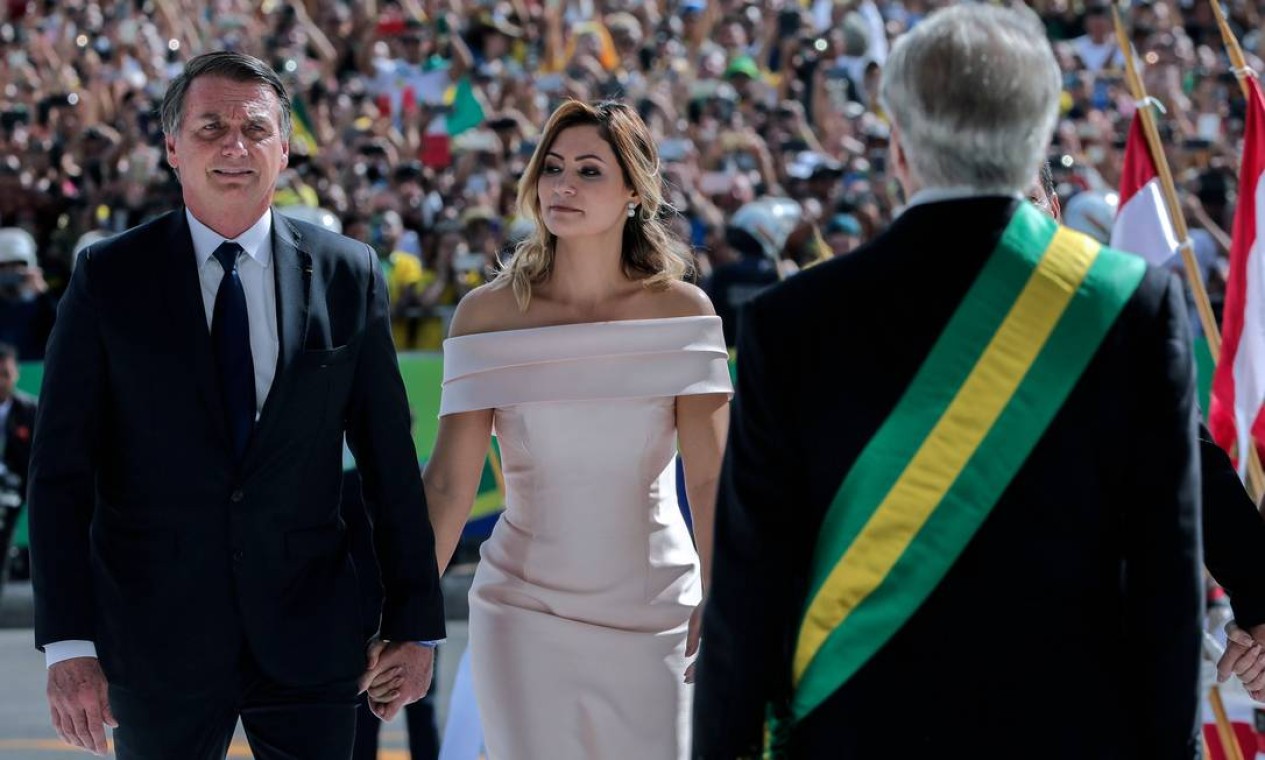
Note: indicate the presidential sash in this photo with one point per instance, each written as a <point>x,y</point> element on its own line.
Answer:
<point>977,406</point>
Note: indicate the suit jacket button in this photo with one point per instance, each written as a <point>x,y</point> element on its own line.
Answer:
<point>237,496</point>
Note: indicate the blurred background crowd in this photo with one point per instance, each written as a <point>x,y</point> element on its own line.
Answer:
<point>415,118</point>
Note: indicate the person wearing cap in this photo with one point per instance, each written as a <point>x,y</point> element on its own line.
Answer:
<point>843,234</point>
<point>696,26</point>
<point>993,408</point>
<point>27,307</point>
<point>1097,48</point>
<point>417,64</point>
<point>821,175</point>
<point>490,39</point>
<point>758,231</point>
<point>403,272</point>
<point>743,72</point>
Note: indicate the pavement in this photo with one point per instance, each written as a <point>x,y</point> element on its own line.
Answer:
<point>27,734</point>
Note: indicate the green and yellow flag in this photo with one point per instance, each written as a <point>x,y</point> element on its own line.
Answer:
<point>466,112</point>
<point>923,485</point>
<point>304,134</point>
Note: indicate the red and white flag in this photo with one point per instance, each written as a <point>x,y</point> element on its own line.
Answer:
<point>1142,223</point>
<point>1238,387</point>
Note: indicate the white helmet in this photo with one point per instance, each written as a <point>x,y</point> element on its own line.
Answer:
<point>770,221</point>
<point>17,246</point>
<point>313,215</point>
<point>1092,212</point>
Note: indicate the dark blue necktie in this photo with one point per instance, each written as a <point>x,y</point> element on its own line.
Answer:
<point>230,334</point>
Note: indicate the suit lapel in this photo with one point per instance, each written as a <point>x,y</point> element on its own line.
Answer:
<point>183,290</point>
<point>293,280</point>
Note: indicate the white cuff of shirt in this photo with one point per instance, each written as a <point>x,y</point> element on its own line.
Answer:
<point>57,651</point>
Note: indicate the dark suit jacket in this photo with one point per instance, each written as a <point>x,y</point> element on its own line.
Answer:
<point>1069,626</point>
<point>1234,533</point>
<point>148,538</point>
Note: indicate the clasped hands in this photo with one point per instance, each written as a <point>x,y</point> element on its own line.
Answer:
<point>397,673</point>
<point>1244,657</point>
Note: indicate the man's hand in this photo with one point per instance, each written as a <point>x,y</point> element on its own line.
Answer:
<point>33,280</point>
<point>398,673</point>
<point>79,701</point>
<point>1244,657</point>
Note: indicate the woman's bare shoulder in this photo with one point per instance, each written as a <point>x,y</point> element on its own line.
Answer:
<point>487,308</point>
<point>680,299</point>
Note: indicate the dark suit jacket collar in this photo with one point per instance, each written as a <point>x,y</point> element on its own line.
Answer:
<point>294,280</point>
<point>959,193</point>
<point>293,277</point>
<point>941,221</point>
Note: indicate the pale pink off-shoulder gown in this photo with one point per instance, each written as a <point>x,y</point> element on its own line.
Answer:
<point>580,605</point>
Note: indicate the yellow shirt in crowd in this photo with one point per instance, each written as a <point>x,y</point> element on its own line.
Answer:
<point>402,270</point>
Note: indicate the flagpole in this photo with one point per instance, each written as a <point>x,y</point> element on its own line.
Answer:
<point>1231,46</point>
<point>1169,191</point>
<point>1255,474</point>
<point>1254,471</point>
<point>1225,731</point>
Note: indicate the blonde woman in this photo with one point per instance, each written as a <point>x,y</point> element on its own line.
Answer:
<point>594,363</point>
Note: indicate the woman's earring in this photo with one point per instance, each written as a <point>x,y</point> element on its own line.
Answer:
<point>632,209</point>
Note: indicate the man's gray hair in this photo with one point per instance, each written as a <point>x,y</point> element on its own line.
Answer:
<point>237,67</point>
<point>974,90</point>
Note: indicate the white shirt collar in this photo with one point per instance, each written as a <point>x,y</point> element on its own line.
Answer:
<point>255,241</point>
<point>6,407</point>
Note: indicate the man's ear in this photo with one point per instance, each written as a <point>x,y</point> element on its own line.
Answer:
<point>896,150</point>
<point>898,163</point>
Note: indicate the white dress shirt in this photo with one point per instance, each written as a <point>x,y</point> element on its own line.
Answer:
<point>254,267</point>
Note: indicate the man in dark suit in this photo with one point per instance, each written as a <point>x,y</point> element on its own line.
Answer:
<point>1046,603</point>
<point>1233,531</point>
<point>419,717</point>
<point>185,477</point>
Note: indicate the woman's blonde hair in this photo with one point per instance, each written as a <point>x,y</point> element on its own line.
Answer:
<point>651,253</point>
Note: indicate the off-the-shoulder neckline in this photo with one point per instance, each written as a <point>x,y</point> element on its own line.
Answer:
<point>563,325</point>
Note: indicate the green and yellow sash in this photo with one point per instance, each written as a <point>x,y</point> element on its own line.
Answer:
<point>923,485</point>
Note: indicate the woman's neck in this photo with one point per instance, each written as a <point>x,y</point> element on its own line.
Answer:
<point>586,272</point>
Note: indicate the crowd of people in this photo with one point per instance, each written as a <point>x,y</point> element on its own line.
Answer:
<point>415,118</point>
<point>768,139</point>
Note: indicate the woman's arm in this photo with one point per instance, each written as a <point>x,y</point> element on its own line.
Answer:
<point>702,423</point>
<point>452,477</point>
<point>455,466</point>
